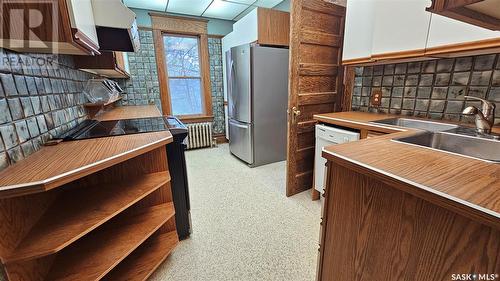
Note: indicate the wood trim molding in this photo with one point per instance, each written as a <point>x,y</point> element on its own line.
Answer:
<point>166,107</point>
<point>180,25</point>
<point>349,76</point>
<point>463,10</point>
<point>467,46</point>
<point>357,61</point>
<point>221,138</point>
<point>205,74</point>
<point>196,119</point>
<point>399,55</point>
<point>452,50</point>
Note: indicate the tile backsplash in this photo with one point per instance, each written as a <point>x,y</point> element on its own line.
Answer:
<point>36,101</point>
<point>217,82</point>
<point>143,86</point>
<point>433,89</point>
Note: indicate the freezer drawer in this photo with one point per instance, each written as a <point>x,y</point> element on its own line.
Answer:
<point>240,140</point>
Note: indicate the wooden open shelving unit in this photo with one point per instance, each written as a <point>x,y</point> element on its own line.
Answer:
<point>140,264</point>
<point>110,216</point>
<point>94,108</point>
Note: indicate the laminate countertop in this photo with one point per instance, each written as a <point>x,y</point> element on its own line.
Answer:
<point>463,185</point>
<point>53,166</point>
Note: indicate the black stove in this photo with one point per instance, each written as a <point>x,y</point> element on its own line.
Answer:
<point>90,129</point>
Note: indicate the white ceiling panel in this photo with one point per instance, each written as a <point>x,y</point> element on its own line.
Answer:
<point>244,13</point>
<point>156,5</point>
<point>188,7</point>
<point>224,10</point>
<point>267,3</point>
<point>246,2</point>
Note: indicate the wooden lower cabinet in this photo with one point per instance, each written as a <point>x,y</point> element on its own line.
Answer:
<point>374,231</point>
<point>114,224</point>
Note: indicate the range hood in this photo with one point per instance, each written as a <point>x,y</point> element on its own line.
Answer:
<point>116,26</point>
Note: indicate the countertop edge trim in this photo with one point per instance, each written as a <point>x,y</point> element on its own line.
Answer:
<point>362,123</point>
<point>43,184</point>
<point>418,185</point>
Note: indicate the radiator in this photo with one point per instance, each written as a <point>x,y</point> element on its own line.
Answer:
<point>199,135</point>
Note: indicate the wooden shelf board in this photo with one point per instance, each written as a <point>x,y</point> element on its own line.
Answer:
<point>76,213</point>
<point>53,166</point>
<point>146,259</point>
<point>103,104</point>
<point>98,253</point>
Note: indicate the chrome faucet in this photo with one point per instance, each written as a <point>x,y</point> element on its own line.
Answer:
<point>485,118</point>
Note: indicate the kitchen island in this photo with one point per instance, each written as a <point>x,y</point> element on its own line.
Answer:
<point>400,212</point>
<point>89,209</point>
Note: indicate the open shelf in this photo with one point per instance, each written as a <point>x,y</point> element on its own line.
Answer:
<point>94,108</point>
<point>144,261</point>
<point>77,212</point>
<point>99,252</point>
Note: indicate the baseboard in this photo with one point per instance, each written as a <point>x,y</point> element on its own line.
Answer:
<point>221,139</point>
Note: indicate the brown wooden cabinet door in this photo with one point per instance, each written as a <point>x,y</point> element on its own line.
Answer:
<point>315,85</point>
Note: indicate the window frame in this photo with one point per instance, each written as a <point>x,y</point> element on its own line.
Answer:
<point>181,26</point>
<point>202,90</point>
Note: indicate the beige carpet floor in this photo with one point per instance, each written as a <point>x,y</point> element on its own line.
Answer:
<point>244,227</point>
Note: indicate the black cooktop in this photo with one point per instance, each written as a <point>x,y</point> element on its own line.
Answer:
<point>97,129</point>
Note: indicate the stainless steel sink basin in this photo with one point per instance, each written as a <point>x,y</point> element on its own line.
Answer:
<point>417,124</point>
<point>473,147</point>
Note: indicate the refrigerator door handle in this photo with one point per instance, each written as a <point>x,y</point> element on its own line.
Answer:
<point>233,99</point>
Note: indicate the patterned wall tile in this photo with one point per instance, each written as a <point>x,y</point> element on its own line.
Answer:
<point>30,99</point>
<point>143,87</point>
<point>433,89</point>
<point>217,82</point>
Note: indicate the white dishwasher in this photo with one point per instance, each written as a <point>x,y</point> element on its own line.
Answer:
<point>326,136</point>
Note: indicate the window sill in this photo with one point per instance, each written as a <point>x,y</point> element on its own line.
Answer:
<point>196,118</point>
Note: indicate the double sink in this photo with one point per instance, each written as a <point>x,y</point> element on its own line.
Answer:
<point>448,138</point>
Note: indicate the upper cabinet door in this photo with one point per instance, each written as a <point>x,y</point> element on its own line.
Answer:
<point>400,26</point>
<point>446,31</point>
<point>82,19</point>
<point>358,34</point>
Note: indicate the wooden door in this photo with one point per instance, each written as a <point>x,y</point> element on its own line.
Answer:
<point>315,85</point>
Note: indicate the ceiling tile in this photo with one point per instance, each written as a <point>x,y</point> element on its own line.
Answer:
<point>188,7</point>
<point>224,10</point>
<point>244,13</point>
<point>247,2</point>
<point>156,5</point>
<point>267,3</point>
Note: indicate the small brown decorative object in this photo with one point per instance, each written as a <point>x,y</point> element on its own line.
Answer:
<point>376,99</point>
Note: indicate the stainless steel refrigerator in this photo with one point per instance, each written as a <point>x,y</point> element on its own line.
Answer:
<point>257,103</point>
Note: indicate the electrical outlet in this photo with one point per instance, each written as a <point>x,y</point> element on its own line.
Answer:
<point>376,97</point>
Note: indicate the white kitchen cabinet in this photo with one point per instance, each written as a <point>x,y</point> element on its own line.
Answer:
<point>358,33</point>
<point>400,26</point>
<point>447,31</point>
<point>76,33</point>
<point>82,18</point>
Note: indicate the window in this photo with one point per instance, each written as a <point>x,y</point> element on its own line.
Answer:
<point>181,50</point>
<point>182,57</point>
